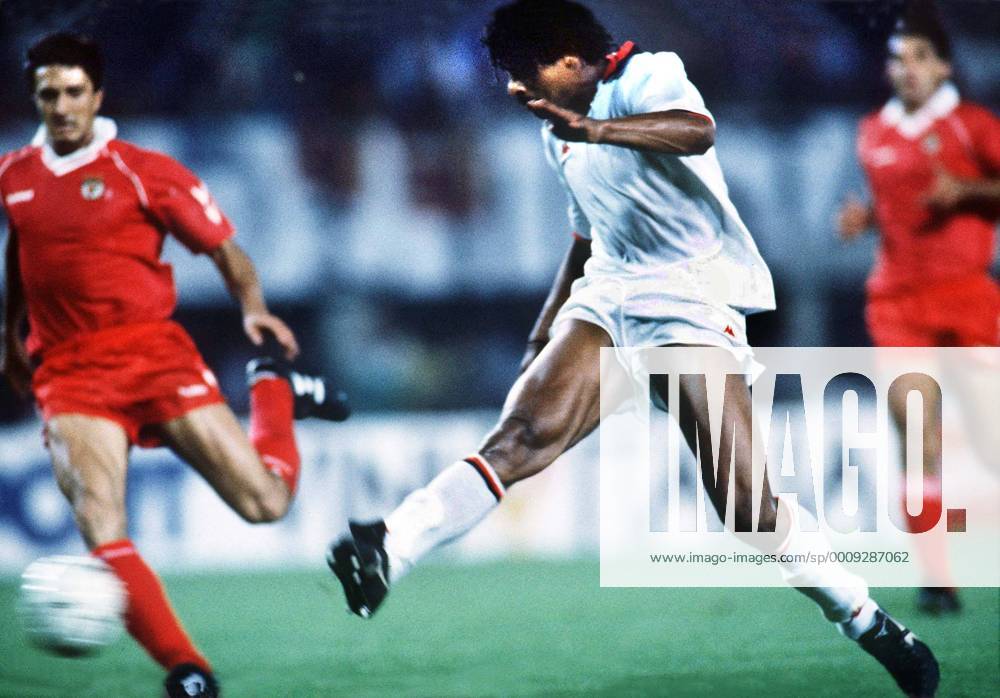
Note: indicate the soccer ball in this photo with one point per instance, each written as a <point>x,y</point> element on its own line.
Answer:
<point>71,606</point>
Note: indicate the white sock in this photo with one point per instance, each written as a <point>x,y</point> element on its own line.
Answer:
<point>449,506</point>
<point>840,595</point>
<point>862,621</point>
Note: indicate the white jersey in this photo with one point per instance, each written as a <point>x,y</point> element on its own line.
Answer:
<point>662,219</point>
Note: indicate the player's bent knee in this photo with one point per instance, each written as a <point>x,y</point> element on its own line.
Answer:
<point>534,434</point>
<point>263,507</point>
<point>522,447</point>
<point>273,509</point>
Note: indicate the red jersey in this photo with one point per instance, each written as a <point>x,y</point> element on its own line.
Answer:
<point>901,154</point>
<point>90,229</point>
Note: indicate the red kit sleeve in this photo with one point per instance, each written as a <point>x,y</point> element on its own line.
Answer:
<point>985,128</point>
<point>183,205</point>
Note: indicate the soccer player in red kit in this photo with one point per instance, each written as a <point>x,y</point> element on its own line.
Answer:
<point>932,160</point>
<point>88,216</point>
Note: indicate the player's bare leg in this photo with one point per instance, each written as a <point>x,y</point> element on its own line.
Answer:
<point>90,460</point>
<point>842,597</point>
<point>213,442</point>
<point>931,545</point>
<point>551,407</point>
<point>738,410</point>
<point>257,473</point>
<point>554,404</point>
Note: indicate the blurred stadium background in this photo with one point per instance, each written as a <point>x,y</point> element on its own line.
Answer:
<point>404,221</point>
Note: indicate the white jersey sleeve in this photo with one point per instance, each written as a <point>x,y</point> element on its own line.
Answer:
<point>658,82</point>
<point>577,219</point>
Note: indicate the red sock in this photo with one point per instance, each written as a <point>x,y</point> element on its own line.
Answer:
<point>149,617</point>
<point>930,540</point>
<point>272,409</point>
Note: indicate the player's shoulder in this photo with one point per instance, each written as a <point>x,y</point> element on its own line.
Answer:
<point>147,162</point>
<point>974,113</point>
<point>17,159</point>
<point>137,154</point>
<point>872,132</point>
<point>872,123</point>
<point>872,119</point>
<point>661,63</point>
<point>645,76</point>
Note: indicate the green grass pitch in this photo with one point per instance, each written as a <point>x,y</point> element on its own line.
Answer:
<point>512,628</point>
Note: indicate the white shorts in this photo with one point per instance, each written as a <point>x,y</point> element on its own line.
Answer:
<point>638,312</point>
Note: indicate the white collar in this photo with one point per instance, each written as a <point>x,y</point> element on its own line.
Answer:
<point>105,130</point>
<point>939,105</point>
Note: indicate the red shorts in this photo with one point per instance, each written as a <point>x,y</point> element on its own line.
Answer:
<point>136,375</point>
<point>960,313</point>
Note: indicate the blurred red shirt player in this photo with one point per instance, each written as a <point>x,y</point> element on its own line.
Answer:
<point>932,161</point>
<point>88,216</point>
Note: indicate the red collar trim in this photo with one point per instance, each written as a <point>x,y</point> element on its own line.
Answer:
<point>615,59</point>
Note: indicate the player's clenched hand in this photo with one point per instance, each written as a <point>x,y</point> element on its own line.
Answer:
<point>15,366</point>
<point>565,123</point>
<point>947,192</point>
<point>854,218</point>
<point>255,324</point>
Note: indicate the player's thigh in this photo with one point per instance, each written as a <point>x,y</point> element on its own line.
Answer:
<point>693,391</point>
<point>930,399</point>
<point>90,461</point>
<point>736,436</point>
<point>929,407</point>
<point>213,442</point>
<point>554,404</point>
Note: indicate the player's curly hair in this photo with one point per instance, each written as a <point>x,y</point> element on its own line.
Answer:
<point>921,18</point>
<point>526,34</point>
<point>65,48</point>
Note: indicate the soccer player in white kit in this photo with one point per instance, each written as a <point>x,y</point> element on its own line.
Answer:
<point>660,258</point>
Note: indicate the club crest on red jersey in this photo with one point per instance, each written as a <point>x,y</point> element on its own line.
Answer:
<point>931,144</point>
<point>92,188</point>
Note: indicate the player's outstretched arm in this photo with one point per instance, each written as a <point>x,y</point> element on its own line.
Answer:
<point>570,270</point>
<point>241,279</point>
<point>950,192</point>
<point>14,357</point>
<point>675,132</point>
